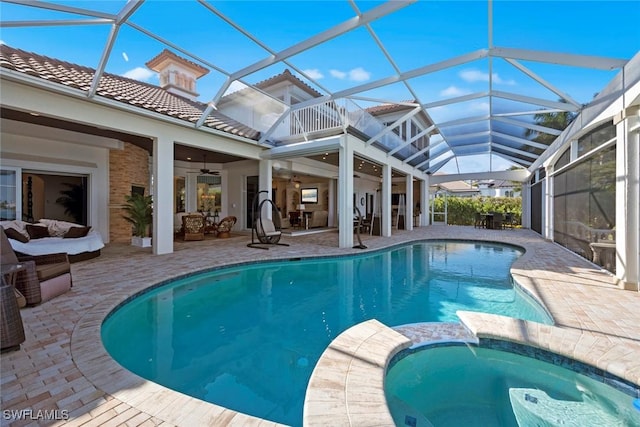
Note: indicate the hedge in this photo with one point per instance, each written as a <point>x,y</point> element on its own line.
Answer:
<point>462,210</point>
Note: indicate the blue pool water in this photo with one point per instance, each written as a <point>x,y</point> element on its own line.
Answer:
<point>471,386</point>
<point>248,337</point>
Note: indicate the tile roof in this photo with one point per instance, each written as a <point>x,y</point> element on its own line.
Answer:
<point>121,89</point>
<point>167,55</point>
<point>388,108</point>
<point>286,75</point>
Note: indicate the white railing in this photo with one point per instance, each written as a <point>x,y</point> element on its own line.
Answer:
<point>315,118</point>
<point>336,114</point>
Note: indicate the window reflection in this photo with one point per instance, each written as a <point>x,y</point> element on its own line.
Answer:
<point>209,193</point>
<point>8,194</point>
<point>584,206</point>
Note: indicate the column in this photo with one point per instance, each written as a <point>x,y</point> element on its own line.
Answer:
<point>332,220</point>
<point>265,179</point>
<point>345,195</point>
<point>191,201</point>
<point>424,202</point>
<point>526,204</point>
<point>547,208</point>
<point>386,200</point>
<point>162,196</point>
<point>408,221</point>
<point>628,198</point>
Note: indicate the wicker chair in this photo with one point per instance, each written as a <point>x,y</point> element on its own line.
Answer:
<point>193,226</point>
<point>45,276</point>
<point>225,226</point>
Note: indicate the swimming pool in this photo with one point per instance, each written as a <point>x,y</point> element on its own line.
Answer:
<point>476,386</point>
<point>248,337</point>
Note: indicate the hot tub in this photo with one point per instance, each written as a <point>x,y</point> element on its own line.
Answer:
<point>506,385</point>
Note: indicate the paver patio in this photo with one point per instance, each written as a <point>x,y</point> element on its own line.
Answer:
<point>63,366</point>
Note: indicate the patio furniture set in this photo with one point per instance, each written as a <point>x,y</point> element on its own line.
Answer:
<point>27,280</point>
<point>494,220</point>
<point>195,226</point>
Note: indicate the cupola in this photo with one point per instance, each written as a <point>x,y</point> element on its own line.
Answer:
<point>177,75</point>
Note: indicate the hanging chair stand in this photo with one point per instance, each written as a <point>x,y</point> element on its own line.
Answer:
<point>265,224</point>
<point>360,245</point>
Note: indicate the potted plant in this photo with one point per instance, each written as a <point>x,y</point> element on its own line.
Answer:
<point>139,213</point>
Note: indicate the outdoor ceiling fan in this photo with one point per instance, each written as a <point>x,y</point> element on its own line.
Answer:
<point>207,171</point>
<point>295,181</point>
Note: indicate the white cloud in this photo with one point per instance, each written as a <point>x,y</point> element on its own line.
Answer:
<point>313,73</point>
<point>2,42</point>
<point>453,91</point>
<point>498,80</point>
<point>125,56</point>
<point>473,76</point>
<point>482,107</point>
<point>338,74</point>
<point>359,75</point>
<point>141,74</point>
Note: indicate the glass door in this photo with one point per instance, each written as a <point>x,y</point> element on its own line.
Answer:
<point>10,193</point>
<point>252,189</point>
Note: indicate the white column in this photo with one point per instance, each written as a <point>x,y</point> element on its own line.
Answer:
<point>162,196</point>
<point>526,205</point>
<point>332,208</point>
<point>345,196</point>
<point>408,221</point>
<point>547,208</point>
<point>628,198</point>
<point>424,202</point>
<point>265,182</point>
<point>386,201</point>
<point>191,192</point>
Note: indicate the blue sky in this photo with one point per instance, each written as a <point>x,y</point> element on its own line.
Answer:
<point>417,35</point>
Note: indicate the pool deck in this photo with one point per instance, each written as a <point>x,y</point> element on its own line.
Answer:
<point>63,366</point>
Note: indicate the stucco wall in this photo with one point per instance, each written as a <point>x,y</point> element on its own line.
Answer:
<point>45,155</point>
<point>127,168</point>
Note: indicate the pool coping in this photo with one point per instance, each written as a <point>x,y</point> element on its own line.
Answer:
<point>97,366</point>
<point>347,383</point>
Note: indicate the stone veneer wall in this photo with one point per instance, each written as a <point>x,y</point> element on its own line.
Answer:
<point>127,168</point>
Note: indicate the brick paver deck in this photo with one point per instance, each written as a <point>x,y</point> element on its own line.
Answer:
<point>62,366</point>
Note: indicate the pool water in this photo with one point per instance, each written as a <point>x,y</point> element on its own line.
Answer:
<point>248,337</point>
<point>471,386</point>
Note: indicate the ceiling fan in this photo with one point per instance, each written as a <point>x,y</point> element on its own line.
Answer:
<point>207,171</point>
<point>295,181</point>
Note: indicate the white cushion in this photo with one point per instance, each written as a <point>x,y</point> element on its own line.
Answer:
<point>58,228</point>
<point>16,224</point>
<point>51,245</point>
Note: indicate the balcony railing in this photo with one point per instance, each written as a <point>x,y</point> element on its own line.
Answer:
<point>333,115</point>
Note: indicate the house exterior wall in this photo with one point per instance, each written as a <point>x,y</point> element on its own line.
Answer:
<point>41,154</point>
<point>234,186</point>
<point>127,168</point>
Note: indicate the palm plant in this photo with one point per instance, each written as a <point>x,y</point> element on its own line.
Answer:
<point>73,201</point>
<point>139,211</point>
<point>559,121</point>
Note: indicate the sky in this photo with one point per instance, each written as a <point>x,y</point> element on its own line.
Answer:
<point>420,34</point>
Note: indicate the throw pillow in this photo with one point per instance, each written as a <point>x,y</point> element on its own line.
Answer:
<point>75,232</point>
<point>14,234</point>
<point>37,231</point>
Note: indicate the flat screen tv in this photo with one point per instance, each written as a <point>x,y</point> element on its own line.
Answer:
<point>309,195</point>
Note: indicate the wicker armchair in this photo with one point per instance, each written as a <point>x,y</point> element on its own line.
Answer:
<point>225,226</point>
<point>45,276</point>
<point>193,226</point>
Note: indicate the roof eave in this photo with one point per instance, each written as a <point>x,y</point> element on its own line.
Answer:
<point>57,88</point>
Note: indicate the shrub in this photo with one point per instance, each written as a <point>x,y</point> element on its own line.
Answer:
<point>462,210</point>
